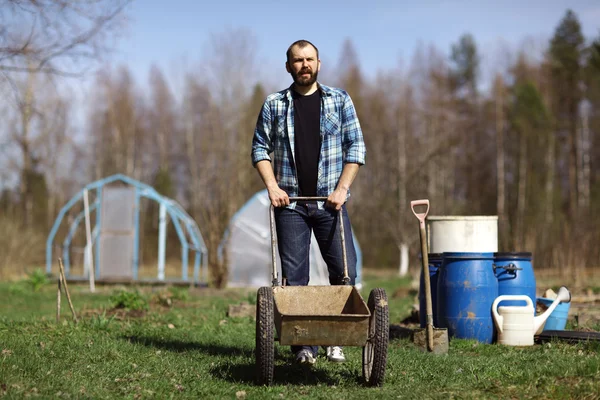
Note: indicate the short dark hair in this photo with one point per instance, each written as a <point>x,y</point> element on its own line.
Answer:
<point>302,44</point>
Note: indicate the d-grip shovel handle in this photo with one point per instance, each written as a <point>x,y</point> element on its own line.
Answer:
<point>420,216</point>
<point>425,272</point>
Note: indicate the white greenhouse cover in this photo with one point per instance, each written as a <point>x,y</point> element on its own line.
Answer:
<point>247,248</point>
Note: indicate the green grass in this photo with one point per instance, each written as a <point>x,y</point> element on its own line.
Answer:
<point>186,347</point>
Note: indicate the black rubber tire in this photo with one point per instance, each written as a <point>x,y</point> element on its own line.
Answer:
<point>375,350</point>
<point>265,345</point>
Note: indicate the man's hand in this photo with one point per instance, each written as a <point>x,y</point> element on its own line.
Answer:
<point>278,197</point>
<point>337,198</point>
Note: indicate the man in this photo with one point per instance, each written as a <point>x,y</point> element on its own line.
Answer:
<point>317,145</point>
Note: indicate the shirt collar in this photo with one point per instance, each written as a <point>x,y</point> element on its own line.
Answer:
<point>325,90</point>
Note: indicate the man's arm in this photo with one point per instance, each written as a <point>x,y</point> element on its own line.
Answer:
<point>353,144</point>
<point>338,197</point>
<point>261,147</point>
<point>353,153</point>
<point>278,197</point>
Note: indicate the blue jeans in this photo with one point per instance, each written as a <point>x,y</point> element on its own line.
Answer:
<point>294,229</point>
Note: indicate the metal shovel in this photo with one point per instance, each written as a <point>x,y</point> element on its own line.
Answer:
<point>432,339</point>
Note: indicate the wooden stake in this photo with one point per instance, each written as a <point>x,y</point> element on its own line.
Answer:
<point>64,280</point>
<point>58,300</point>
<point>88,236</point>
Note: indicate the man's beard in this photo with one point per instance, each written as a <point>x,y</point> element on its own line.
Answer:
<point>300,81</point>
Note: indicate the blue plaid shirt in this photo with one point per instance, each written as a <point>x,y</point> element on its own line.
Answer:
<point>341,139</point>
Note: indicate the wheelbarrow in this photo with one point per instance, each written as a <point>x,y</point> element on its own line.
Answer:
<point>321,316</point>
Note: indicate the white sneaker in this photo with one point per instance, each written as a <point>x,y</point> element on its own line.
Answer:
<point>305,356</point>
<point>335,354</point>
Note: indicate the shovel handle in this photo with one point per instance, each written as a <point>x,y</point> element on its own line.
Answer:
<point>425,272</point>
<point>420,216</point>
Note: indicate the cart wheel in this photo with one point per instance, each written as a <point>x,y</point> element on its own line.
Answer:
<point>265,347</point>
<point>375,350</point>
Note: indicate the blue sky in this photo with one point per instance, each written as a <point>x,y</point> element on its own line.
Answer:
<point>176,33</point>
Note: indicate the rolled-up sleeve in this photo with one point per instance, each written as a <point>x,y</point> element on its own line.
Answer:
<point>353,144</point>
<point>262,142</point>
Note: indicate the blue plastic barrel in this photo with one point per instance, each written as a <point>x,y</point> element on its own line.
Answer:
<point>435,261</point>
<point>467,288</point>
<point>515,276</point>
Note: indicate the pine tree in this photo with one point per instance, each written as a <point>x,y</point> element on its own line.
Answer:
<point>565,57</point>
<point>473,167</point>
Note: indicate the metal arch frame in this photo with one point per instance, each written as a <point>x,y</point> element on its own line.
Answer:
<point>184,226</point>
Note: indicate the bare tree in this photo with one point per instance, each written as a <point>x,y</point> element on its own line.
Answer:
<point>22,135</point>
<point>499,98</point>
<point>583,156</point>
<point>41,39</point>
<point>197,105</point>
<point>161,115</point>
<point>231,83</point>
<point>405,107</point>
<point>216,130</point>
<point>116,137</point>
<point>56,146</point>
<point>56,36</point>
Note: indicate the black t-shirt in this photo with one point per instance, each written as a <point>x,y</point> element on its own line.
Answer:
<point>307,131</point>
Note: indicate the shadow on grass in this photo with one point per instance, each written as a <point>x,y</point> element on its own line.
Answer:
<point>286,373</point>
<point>179,346</point>
<point>211,349</point>
<point>238,369</point>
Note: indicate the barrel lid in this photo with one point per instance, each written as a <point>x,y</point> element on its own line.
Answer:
<point>433,256</point>
<point>513,255</point>
<point>462,218</point>
<point>468,255</point>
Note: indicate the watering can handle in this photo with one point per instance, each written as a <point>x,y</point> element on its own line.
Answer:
<point>420,216</point>
<point>498,299</point>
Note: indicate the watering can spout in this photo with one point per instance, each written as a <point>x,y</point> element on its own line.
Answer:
<point>564,296</point>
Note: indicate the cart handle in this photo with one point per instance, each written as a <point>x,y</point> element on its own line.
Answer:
<point>275,281</point>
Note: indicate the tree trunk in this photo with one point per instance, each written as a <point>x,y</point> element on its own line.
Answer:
<point>130,152</point>
<point>550,160</point>
<point>402,202</point>
<point>584,158</point>
<point>190,146</point>
<point>26,109</point>
<point>500,177</point>
<point>432,143</point>
<point>522,195</point>
<point>572,145</point>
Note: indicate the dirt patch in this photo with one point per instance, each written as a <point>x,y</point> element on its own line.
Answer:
<point>117,313</point>
<point>401,332</point>
<point>222,293</point>
<point>403,291</point>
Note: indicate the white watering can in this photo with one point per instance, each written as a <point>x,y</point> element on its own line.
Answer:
<point>516,325</point>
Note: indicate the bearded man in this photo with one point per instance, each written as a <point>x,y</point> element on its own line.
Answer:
<point>308,143</point>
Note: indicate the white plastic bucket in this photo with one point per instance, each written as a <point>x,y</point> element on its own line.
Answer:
<point>450,233</point>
